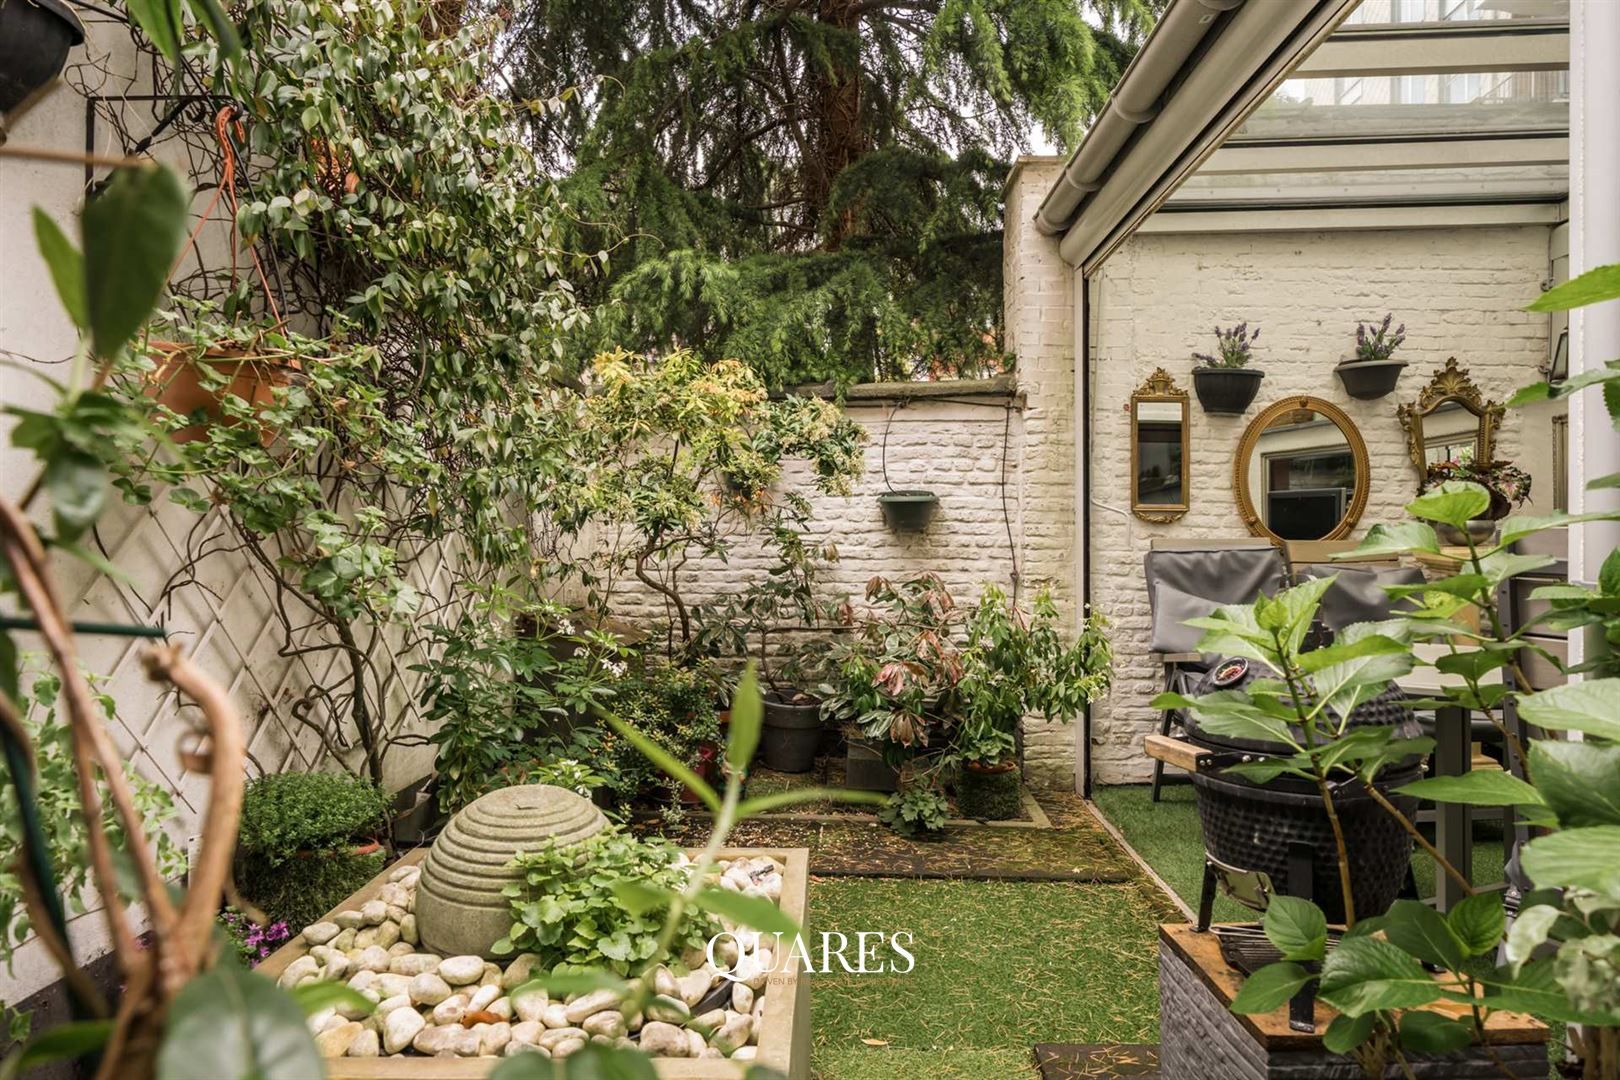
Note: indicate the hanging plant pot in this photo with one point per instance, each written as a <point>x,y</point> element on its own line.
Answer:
<point>35,36</point>
<point>908,511</point>
<point>178,384</point>
<point>1226,391</point>
<point>1369,380</point>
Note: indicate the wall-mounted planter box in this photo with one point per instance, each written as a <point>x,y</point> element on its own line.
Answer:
<point>908,511</point>
<point>1369,380</point>
<point>1226,391</point>
<point>784,1042</point>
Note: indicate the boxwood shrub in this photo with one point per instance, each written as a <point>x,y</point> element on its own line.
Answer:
<point>297,839</point>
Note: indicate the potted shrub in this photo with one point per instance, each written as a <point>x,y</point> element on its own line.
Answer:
<point>193,380</point>
<point>744,622</point>
<point>1507,485</point>
<point>307,840</point>
<point>1015,664</point>
<point>891,678</point>
<point>1224,382</point>
<point>673,706</point>
<point>1371,371</point>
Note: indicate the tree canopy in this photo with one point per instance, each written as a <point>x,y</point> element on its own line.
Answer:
<point>813,186</point>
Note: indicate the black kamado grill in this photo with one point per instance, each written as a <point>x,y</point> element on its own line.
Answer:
<point>1281,828</point>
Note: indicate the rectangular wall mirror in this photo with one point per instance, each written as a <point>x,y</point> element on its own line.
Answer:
<point>1159,434</point>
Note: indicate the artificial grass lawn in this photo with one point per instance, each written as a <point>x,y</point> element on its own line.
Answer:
<point>1167,836</point>
<point>1000,966</point>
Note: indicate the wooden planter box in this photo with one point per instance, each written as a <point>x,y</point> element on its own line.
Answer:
<point>1202,1039</point>
<point>784,1041</point>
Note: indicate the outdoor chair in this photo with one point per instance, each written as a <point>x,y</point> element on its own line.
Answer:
<point>1190,579</point>
<point>1357,593</point>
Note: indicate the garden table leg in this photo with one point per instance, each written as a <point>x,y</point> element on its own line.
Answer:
<point>1453,756</point>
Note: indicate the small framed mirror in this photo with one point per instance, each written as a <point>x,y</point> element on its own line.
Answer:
<point>1159,432</point>
<point>1450,421</point>
<point>1301,472</point>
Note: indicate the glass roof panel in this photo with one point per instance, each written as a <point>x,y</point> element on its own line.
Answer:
<point>1469,103</point>
<point>1475,184</point>
<point>1382,12</point>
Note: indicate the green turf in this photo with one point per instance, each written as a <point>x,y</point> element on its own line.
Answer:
<point>999,967</point>
<point>1167,836</point>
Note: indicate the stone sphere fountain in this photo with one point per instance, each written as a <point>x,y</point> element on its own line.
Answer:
<point>459,906</point>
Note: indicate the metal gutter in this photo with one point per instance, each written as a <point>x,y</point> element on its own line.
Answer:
<point>1135,102</point>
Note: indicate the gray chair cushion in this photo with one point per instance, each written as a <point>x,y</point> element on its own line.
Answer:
<point>1358,594</point>
<point>1171,609</point>
<point>1227,575</point>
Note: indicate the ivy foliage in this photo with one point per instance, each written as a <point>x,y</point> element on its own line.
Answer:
<point>814,186</point>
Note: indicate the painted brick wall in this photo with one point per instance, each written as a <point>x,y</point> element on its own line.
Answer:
<point>1005,477</point>
<point>1460,293</point>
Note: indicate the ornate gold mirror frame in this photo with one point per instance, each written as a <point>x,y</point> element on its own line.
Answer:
<point>1251,441</point>
<point>1450,384</point>
<point>1159,387</point>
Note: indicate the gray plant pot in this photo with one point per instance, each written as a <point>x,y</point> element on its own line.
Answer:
<point>908,511</point>
<point>791,734</point>
<point>865,769</point>
<point>1369,380</point>
<point>1226,391</point>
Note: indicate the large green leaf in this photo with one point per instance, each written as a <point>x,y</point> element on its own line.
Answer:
<point>1531,927</point>
<point>594,1062</point>
<point>232,1024</point>
<point>1423,932</point>
<point>755,912</point>
<point>1297,927</point>
<point>77,484</point>
<point>163,23</point>
<point>1535,990</point>
<point>315,996</point>
<point>1396,539</point>
<point>1455,502</point>
<point>1517,528</point>
<point>1480,788</point>
<point>1541,391</point>
<point>1229,713</point>
<point>1592,706</point>
<point>1364,974</point>
<point>1292,611</point>
<point>132,236</point>
<point>1579,780</point>
<point>66,266</point>
<point>747,714</point>
<point>1596,285</point>
<point>1269,988</point>
<point>1479,922</point>
<point>1346,1033</point>
<point>1580,858</point>
<point>1432,1033</point>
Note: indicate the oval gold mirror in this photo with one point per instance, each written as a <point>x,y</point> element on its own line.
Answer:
<point>1159,449</point>
<point>1301,472</point>
<point>1450,421</point>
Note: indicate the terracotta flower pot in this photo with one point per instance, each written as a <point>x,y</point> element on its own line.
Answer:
<point>178,384</point>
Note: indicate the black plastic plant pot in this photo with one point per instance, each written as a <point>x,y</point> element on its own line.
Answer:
<point>865,769</point>
<point>1369,380</point>
<point>35,36</point>
<point>989,792</point>
<point>791,734</point>
<point>908,511</point>
<point>1226,391</point>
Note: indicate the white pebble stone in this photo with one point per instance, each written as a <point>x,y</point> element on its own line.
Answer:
<point>461,970</point>
<point>320,933</point>
<point>400,1028</point>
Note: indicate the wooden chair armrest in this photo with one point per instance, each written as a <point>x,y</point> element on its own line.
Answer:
<point>1175,657</point>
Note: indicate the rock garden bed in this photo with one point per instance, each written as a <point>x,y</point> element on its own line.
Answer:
<point>456,1017</point>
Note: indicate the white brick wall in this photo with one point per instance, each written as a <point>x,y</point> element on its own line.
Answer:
<point>1460,293</point>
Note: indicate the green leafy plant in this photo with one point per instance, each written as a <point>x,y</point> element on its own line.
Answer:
<point>298,842</point>
<point>1507,485</point>
<point>1235,347</point>
<point>1015,664</point>
<point>566,908</point>
<point>893,673</point>
<point>917,810</point>
<point>1562,949</point>
<point>686,453</point>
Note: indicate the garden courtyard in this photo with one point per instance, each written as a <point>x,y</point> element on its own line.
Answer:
<point>823,539</point>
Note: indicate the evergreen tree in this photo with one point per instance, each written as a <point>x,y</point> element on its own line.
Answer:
<point>813,186</point>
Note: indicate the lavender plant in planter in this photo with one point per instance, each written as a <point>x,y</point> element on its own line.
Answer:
<point>1371,371</point>
<point>1224,382</point>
